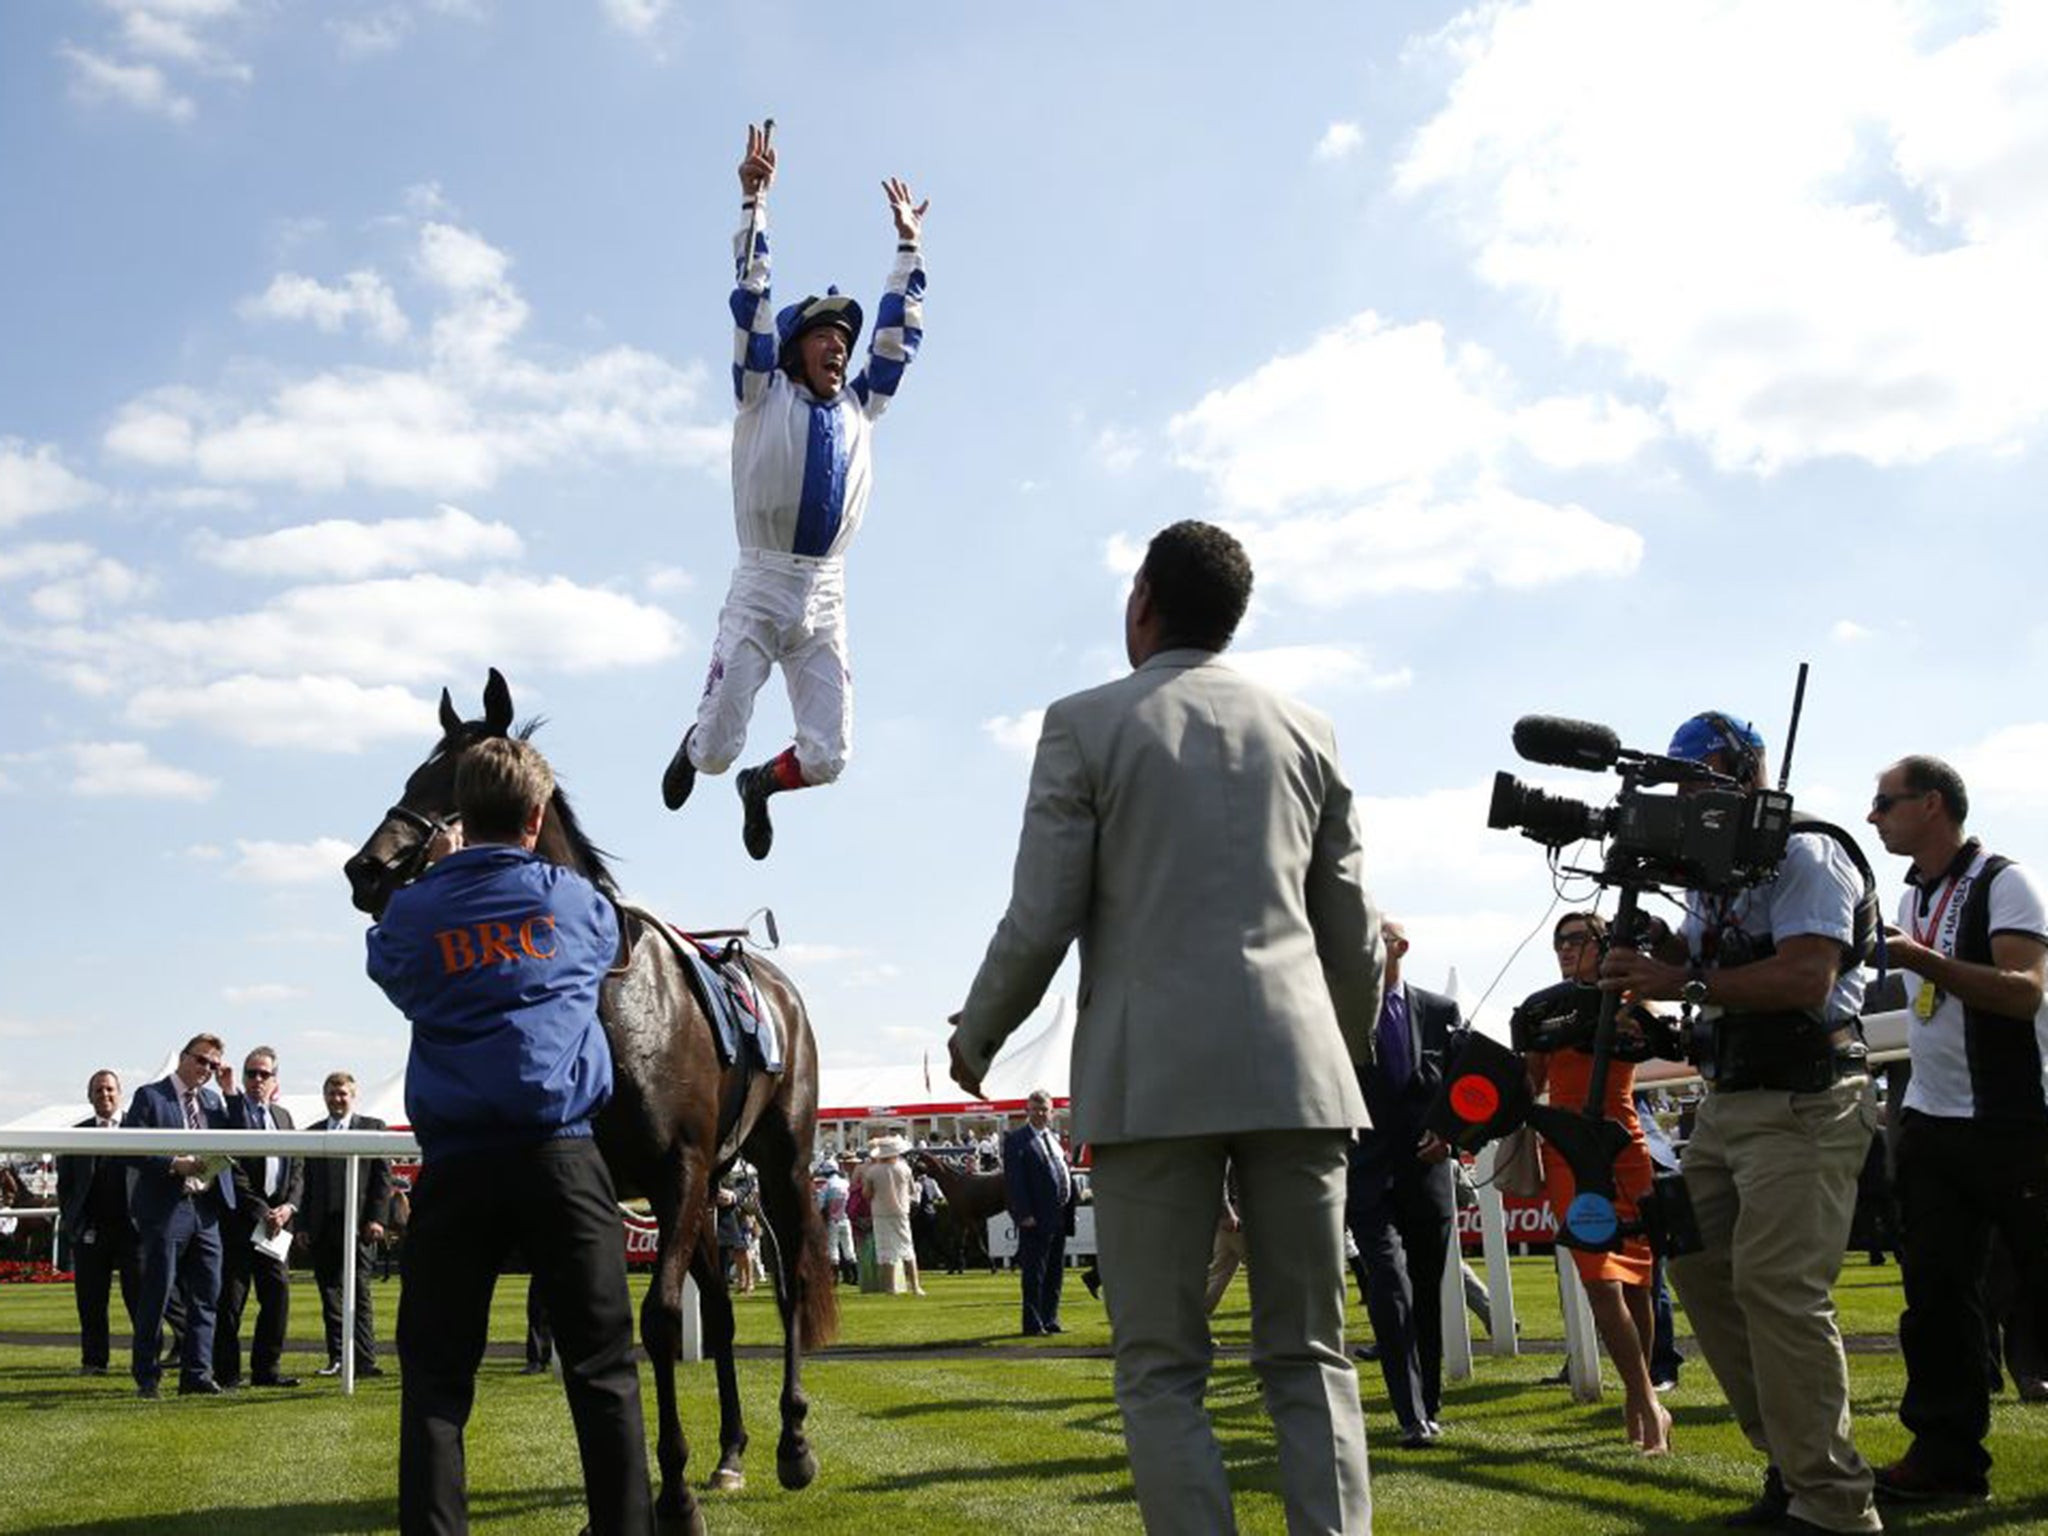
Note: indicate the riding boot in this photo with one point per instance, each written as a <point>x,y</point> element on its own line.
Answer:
<point>755,785</point>
<point>680,777</point>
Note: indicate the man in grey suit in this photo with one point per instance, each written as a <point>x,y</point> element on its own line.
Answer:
<point>1193,830</point>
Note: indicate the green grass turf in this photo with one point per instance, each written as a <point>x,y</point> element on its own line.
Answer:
<point>967,1427</point>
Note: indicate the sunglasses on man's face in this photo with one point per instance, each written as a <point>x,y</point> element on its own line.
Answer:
<point>1577,940</point>
<point>257,1072</point>
<point>211,1063</point>
<point>1880,803</point>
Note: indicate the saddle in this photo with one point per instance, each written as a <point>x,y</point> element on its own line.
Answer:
<point>745,1033</point>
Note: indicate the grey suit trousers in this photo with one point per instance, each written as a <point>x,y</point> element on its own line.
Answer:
<point>1157,1204</point>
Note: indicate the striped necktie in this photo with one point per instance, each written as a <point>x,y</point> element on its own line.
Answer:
<point>193,1122</point>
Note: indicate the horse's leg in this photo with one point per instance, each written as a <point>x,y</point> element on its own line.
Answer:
<point>730,1473</point>
<point>803,1281</point>
<point>661,1331</point>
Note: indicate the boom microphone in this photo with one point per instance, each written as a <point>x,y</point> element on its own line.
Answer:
<point>1565,743</point>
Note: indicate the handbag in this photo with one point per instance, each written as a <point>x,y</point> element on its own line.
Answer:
<point>1518,1164</point>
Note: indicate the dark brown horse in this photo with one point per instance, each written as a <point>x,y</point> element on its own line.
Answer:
<point>676,1119</point>
<point>971,1198</point>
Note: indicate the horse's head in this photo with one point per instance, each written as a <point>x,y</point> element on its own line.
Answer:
<point>397,851</point>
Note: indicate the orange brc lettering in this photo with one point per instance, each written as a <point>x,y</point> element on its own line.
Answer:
<point>456,951</point>
<point>496,942</point>
<point>526,937</point>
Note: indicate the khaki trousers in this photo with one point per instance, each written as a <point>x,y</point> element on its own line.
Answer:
<point>1773,1180</point>
<point>1156,1210</point>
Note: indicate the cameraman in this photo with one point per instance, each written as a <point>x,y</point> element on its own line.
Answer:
<point>1780,1139</point>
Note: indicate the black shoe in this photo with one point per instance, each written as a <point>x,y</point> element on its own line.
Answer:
<point>534,1368</point>
<point>1908,1481</point>
<point>201,1388</point>
<point>148,1390</point>
<point>372,1369</point>
<point>1769,1511</point>
<point>1054,1328</point>
<point>1090,1279</point>
<point>758,833</point>
<point>1369,1353</point>
<point>680,777</point>
<point>92,1370</point>
<point>273,1381</point>
<point>1416,1438</point>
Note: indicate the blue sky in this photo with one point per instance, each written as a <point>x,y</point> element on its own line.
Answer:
<point>1588,358</point>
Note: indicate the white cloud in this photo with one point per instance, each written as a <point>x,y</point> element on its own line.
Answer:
<point>663,580</point>
<point>421,628</point>
<point>370,33</point>
<point>1117,449</point>
<point>2005,767</point>
<point>271,863</point>
<point>96,78</point>
<point>260,993</point>
<point>1309,670</point>
<point>1491,537</point>
<point>636,17</point>
<point>97,583</point>
<point>1846,264</point>
<point>1417,838</point>
<point>1849,632</point>
<point>1338,141</point>
<point>362,296</point>
<point>34,483</point>
<point>125,770</point>
<point>1016,734</point>
<point>329,714</point>
<point>44,560</point>
<point>346,550</point>
<point>476,410</point>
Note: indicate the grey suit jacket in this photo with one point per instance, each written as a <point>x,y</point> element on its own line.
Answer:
<point>1193,831</point>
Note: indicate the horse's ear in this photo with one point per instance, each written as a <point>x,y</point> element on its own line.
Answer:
<point>451,722</point>
<point>497,704</point>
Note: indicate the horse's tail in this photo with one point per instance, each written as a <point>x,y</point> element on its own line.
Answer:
<point>818,1318</point>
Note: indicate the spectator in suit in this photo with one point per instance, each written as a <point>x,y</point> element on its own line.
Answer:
<point>1040,1189</point>
<point>177,1213</point>
<point>92,1202</point>
<point>1194,832</point>
<point>333,1232</point>
<point>268,1191</point>
<point>1403,1202</point>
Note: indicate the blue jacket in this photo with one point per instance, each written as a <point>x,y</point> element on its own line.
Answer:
<point>1031,1183</point>
<point>153,1189</point>
<point>496,956</point>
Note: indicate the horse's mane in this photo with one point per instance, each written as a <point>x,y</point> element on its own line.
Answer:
<point>593,860</point>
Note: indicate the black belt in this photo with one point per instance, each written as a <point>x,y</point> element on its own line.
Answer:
<point>1784,1055</point>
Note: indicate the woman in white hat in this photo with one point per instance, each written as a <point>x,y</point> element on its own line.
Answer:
<point>891,1191</point>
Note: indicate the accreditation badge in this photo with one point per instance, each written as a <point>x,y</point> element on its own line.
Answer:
<point>1925,1001</point>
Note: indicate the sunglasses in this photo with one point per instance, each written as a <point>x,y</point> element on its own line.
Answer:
<point>257,1072</point>
<point>1577,940</point>
<point>211,1063</point>
<point>1879,804</point>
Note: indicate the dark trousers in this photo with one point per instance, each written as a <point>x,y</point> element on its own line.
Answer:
<point>1404,1238</point>
<point>1957,1182</point>
<point>1664,1356</point>
<point>181,1251</point>
<point>327,1275</point>
<point>556,1202</point>
<point>540,1338</point>
<point>97,1257</point>
<point>243,1269</point>
<point>1042,1264</point>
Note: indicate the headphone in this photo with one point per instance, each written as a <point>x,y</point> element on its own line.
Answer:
<point>1743,759</point>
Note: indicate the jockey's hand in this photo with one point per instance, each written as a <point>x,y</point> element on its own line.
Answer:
<point>957,1068</point>
<point>447,839</point>
<point>374,1231</point>
<point>909,219</point>
<point>757,170</point>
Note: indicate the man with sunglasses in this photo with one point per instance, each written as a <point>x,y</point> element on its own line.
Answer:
<point>1972,1151</point>
<point>177,1211</point>
<point>268,1191</point>
<point>1775,970</point>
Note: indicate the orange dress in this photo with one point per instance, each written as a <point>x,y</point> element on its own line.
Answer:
<point>1570,1075</point>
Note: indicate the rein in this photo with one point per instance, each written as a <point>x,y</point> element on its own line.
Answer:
<point>408,869</point>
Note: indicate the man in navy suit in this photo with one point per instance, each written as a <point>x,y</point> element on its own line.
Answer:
<point>1040,1191</point>
<point>268,1193</point>
<point>338,1236</point>
<point>1402,1198</point>
<point>177,1215</point>
<point>92,1197</point>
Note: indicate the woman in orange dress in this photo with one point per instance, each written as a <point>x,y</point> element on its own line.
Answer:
<point>1617,1284</point>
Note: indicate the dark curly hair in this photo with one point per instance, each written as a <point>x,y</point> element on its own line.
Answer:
<point>1200,580</point>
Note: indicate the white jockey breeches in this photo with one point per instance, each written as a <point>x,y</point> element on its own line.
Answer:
<point>780,610</point>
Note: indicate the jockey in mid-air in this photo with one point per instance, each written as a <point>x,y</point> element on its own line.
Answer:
<point>800,476</point>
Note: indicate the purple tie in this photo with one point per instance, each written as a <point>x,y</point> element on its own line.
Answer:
<point>1395,1065</point>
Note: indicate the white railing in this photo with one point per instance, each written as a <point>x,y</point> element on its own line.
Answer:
<point>353,1146</point>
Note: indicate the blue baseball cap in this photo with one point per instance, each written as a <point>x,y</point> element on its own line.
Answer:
<point>830,308</point>
<point>1714,731</point>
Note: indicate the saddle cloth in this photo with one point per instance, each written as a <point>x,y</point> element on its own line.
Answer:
<point>740,1025</point>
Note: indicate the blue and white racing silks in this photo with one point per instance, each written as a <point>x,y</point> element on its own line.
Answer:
<point>800,465</point>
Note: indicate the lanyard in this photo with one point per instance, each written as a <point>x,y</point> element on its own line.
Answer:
<point>1922,935</point>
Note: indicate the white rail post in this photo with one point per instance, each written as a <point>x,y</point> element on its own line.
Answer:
<point>1493,1234</point>
<point>1581,1341</point>
<point>693,1322</point>
<point>1457,1323</point>
<point>351,1189</point>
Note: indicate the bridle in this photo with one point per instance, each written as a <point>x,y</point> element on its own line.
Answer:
<point>409,868</point>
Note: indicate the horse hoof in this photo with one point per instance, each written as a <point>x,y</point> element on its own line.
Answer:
<point>727,1480</point>
<point>798,1471</point>
<point>689,1521</point>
